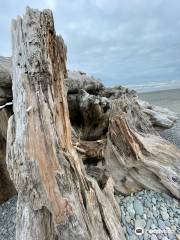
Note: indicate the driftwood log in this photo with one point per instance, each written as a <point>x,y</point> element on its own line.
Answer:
<point>7,188</point>
<point>73,145</point>
<point>56,198</point>
<point>129,149</point>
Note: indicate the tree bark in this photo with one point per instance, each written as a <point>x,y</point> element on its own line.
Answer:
<point>56,198</point>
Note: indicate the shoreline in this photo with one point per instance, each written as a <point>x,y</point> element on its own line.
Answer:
<point>169,99</point>
<point>159,91</point>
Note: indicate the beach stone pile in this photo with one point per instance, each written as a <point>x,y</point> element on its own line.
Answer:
<point>8,219</point>
<point>150,215</point>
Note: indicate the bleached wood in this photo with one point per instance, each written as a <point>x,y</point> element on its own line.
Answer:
<point>56,199</point>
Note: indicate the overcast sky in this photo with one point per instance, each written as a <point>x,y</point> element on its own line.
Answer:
<point>120,41</point>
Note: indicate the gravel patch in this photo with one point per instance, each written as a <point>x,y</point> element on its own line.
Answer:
<point>150,215</point>
<point>8,219</point>
<point>156,215</point>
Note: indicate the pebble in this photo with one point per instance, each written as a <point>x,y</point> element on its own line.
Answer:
<point>167,223</point>
<point>150,215</point>
<point>173,227</point>
<point>176,220</point>
<point>128,219</point>
<point>146,236</point>
<point>131,211</point>
<point>140,223</point>
<point>147,203</point>
<point>149,223</point>
<point>138,207</point>
<point>165,215</point>
<point>132,237</point>
<point>153,237</point>
<point>165,238</point>
<point>171,214</point>
<point>171,236</point>
<point>153,226</point>
<point>128,230</point>
<point>161,224</point>
<point>153,200</point>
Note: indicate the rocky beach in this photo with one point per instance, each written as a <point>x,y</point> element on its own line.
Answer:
<point>82,161</point>
<point>158,215</point>
<point>155,215</point>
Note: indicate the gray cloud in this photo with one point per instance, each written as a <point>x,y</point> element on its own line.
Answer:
<point>119,41</point>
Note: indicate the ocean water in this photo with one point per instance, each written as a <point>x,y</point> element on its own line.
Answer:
<point>153,86</point>
<point>168,99</point>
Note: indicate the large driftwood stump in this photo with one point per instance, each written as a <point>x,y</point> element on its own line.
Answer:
<point>56,199</point>
<point>139,160</point>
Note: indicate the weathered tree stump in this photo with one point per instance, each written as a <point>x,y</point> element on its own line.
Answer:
<point>56,198</point>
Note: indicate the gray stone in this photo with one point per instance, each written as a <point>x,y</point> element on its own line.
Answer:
<point>150,215</point>
<point>171,214</point>
<point>159,236</point>
<point>171,236</point>
<point>161,224</point>
<point>128,230</point>
<point>165,238</point>
<point>148,224</point>
<point>128,219</point>
<point>171,221</point>
<point>168,224</point>
<point>131,210</point>
<point>153,200</point>
<point>153,237</point>
<point>132,237</point>
<point>176,220</point>
<point>173,227</point>
<point>153,226</point>
<point>164,215</point>
<point>138,207</point>
<point>146,236</point>
<point>156,214</point>
<point>155,221</point>
<point>147,203</point>
<point>140,223</point>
